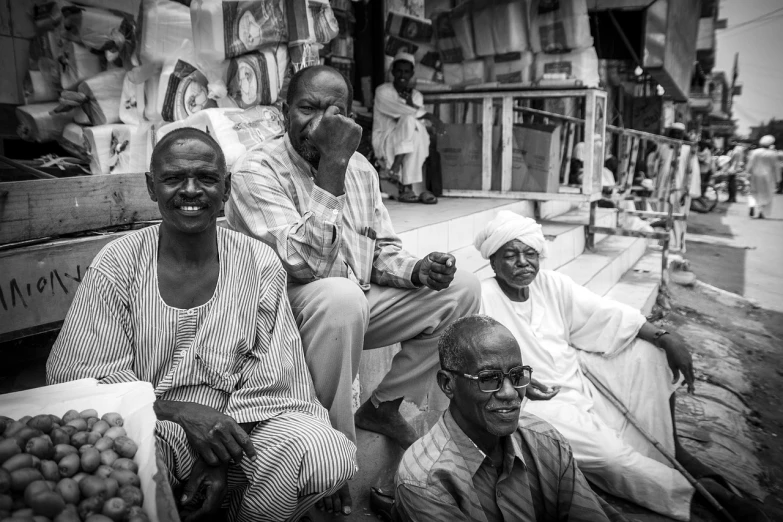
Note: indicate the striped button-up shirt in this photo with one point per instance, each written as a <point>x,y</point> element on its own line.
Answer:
<point>444,476</point>
<point>317,235</point>
<point>239,352</point>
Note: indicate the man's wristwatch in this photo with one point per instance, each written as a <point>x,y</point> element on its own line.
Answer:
<point>657,335</point>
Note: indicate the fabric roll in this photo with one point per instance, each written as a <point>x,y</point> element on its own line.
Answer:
<point>38,88</point>
<point>236,130</point>
<point>38,123</point>
<point>117,148</point>
<point>99,97</point>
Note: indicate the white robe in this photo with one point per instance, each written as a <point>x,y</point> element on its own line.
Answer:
<point>564,325</point>
<point>397,129</point>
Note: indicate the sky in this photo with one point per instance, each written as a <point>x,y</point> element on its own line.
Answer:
<point>760,47</point>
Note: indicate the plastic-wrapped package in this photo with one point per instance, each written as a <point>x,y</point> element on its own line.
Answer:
<point>99,97</point>
<point>510,28</point>
<point>72,140</point>
<point>483,26</point>
<point>117,148</point>
<point>38,88</point>
<point>446,38</point>
<point>236,130</point>
<point>558,26</point>
<point>342,46</point>
<point>132,101</point>
<point>408,27</point>
<point>182,91</point>
<point>226,28</point>
<point>78,63</point>
<point>256,78</point>
<point>453,74</point>
<point>39,123</point>
<point>462,22</point>
<point>96,28</point>
<point>512,68</point>
<point>165,32</point>
<point>131,7</point>
<point>311,23</point>
<point>475,71</point>
<point>580,66</point>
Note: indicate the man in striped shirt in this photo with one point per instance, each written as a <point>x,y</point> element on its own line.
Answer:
<point>483,461</point>
<point>317,203</point>
<point>202,314</point>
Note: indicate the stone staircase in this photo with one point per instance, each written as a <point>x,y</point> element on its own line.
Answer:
<point>622,268</point>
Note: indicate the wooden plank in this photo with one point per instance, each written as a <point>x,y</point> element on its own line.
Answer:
<point>38,283</point>
<point>651,214</point>
<point>632,165</point>
<point>442,97</point>
<point>532,196</point>
<point>486,143</point>
<point>569,151</point>
<point>53,207</point>
<point>611,231</point>
<point>506,143</point>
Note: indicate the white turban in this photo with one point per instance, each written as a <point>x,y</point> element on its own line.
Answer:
<point>506,227</point>
<point>767,141</point>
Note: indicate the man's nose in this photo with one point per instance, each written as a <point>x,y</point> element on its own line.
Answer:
<point>191,186</point>
<point>507,391</point>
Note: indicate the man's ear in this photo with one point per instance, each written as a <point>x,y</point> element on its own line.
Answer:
<point>151,186</point>
<point>285,110</point>
<point>446,383</point>
<point>492,263</point>
<point>227,191</point>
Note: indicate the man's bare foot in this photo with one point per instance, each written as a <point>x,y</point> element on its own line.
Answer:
<point>386,420</point>
<point>339,503</point>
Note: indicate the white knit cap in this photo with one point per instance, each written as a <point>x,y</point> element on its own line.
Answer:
<point>767,141</point>
<point>505,227</point>
<point>402,56</point>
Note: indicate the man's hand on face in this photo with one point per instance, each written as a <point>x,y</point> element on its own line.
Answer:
<point>335,136</point>
<point>213,482</point>
<point>679,358</point>
<point>436,271</point>
<point>216,437</point>
<point>538,391</point>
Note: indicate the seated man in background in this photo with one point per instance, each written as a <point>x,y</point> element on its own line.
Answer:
<point>352,287</point>
<point>486,459</point>
<point>202,314</point>
<point>558,325</point>
<point>399,136</point>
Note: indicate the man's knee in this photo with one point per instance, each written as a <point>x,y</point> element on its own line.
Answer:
<point>337,301</point>
<point>406,124</point>
<point>328,457</point>
<point>466,291</point>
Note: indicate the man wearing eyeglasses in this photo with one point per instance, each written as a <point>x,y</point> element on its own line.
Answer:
<point>486,459</point>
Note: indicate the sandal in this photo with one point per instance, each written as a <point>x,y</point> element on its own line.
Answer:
<point>428,198</point>
<point>408,197</point>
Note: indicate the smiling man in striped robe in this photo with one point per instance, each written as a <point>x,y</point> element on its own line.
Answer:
<point>202,314</point>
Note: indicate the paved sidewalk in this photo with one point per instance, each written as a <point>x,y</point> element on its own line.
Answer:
<point>732,251</point>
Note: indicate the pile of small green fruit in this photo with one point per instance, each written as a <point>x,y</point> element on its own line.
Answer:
<point>78,468</point>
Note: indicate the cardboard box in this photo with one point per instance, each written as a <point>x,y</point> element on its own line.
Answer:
<point>535,157</point>
<point>409,27</point>
<point>133,400</point>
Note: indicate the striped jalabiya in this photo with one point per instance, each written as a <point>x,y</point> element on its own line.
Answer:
<point>239,353</point>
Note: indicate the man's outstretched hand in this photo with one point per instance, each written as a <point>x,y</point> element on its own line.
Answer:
<point>436,271</point>
<point>216,437</point>
<point>538,391</point>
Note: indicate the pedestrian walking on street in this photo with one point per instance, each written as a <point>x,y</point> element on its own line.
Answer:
<point>763,167</point>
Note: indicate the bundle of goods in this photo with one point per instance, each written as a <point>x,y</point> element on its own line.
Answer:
<point>40,123</point>
<point>78,465</point>
<point>236,130</point>
<point>580,66</point>
<point>409,27</point>
<point>311,24</point>
<point>132,101</point>
<point>182,91</point>
<point>38,88</point>
<point>514,67</point>
<point>428,62</point>
<point>117,148</point>
<point>257,78</point>
<point>557,26</point>
<point>77,63</point>
<point>98,96</point>
<point>469,72</point>
<point>165,32</point>
<point>446,40</point>
<point>226,28</point>
<point>72,140</point>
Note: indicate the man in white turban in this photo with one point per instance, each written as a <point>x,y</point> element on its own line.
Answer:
<point>764,169</point>
<point>561,325</point>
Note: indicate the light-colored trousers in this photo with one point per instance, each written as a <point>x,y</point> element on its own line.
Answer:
<point>410,137</point>
<point>609,450</point>
<point>337,321</point>
<point>299,460</point>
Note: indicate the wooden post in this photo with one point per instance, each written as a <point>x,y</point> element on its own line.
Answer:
<point>591,225</point>
<point>486,143</point>
<point>506,142</point>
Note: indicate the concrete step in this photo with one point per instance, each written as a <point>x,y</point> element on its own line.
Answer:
<point>600,269</point>
<point>639,286</point>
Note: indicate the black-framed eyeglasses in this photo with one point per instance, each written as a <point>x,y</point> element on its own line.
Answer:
<point>490,381</point>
